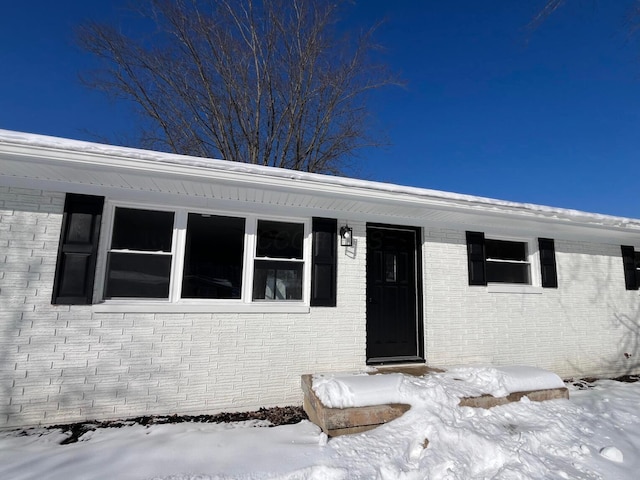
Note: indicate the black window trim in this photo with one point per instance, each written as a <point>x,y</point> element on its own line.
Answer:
<point>542,271</point>
<point>631,267</point>
<point>85,204</point>
<point>324,260</point>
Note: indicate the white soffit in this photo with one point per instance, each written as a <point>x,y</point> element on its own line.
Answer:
<point>62,163</point>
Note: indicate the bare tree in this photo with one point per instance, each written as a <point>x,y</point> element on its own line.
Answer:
<point>550,6</point>
<point>270,82</point>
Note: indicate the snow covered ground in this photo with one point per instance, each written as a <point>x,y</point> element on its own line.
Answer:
<point>594,435</point>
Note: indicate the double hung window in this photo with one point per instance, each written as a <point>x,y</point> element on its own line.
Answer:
<point>507,262</point>
<point>278,264</point>
<point>140,257</point>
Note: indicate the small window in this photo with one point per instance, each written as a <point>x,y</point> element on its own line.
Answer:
<point>507,262</point>
<point>213,257</point>
<point>278,265</point>
<point>391,267</point>
<point>139,260</point>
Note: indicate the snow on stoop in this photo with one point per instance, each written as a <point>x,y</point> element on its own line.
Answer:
<point>348,417</point>
<point>343,421</point>
<point>489,401</point>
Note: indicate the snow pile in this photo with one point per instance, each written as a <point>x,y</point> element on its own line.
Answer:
<point>361,390</point>
<point>612,453</point>
<point>593,436</point>
<point>501,381</point>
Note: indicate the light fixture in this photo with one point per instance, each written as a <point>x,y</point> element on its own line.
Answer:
<point>346,236</point>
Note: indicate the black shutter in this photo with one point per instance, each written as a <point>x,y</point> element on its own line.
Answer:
<point>476,258</point>
<point>548,263</point>
<point>323,262</point>
<point>629,263</point>
<point>78,250</point>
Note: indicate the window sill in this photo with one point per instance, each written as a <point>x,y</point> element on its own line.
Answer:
<point>164,307</point>
<point>513,288</point>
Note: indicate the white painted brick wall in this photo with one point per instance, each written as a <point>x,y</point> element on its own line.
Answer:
<point>575,330</point>
<point>67,363</point>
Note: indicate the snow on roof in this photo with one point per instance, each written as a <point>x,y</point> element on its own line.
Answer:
<point>8,137</point>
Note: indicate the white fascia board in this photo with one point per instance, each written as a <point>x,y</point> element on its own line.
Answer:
<point>98,157</point>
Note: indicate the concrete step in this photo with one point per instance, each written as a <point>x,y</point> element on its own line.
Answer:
<point>343,421</point>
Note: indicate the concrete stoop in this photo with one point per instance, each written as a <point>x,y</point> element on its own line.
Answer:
<point>343,421</point>
<point>488,401</point>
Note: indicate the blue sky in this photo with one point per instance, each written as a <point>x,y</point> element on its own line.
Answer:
<point>549,117</point>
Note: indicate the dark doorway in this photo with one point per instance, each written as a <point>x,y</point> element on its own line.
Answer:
<point>394,312</point>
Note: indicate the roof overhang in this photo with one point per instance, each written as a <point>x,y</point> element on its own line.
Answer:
<point>73,166</point>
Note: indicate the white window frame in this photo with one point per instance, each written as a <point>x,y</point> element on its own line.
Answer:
<point>178,244</point>
<point>108,249</point>
<point>254,257</point>
<point>533,257</point>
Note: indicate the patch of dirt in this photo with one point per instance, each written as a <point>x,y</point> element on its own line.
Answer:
<point>587,382</point>
<point>628,378</point>
<point>276,416</point>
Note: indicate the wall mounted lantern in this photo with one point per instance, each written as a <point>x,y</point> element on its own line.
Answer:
<point>346,236</point>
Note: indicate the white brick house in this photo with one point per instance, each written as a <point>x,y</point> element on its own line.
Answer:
<point>136,282</point>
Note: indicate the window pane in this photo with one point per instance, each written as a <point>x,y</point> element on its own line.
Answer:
<point>279,239</point>
<point>138,275</point>
<point>273,280</point>
<point>145,230</point>
<point>213,257</point>
<point>505,272</point>
<point>391,267</point>
<point>504,250</point>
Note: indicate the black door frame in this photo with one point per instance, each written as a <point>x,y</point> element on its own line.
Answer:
<point>419,358</point>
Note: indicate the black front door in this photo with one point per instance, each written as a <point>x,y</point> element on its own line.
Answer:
<point>394,325</point>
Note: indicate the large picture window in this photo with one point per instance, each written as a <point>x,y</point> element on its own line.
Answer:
<point>213,257</point>
<point>182,256</point>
